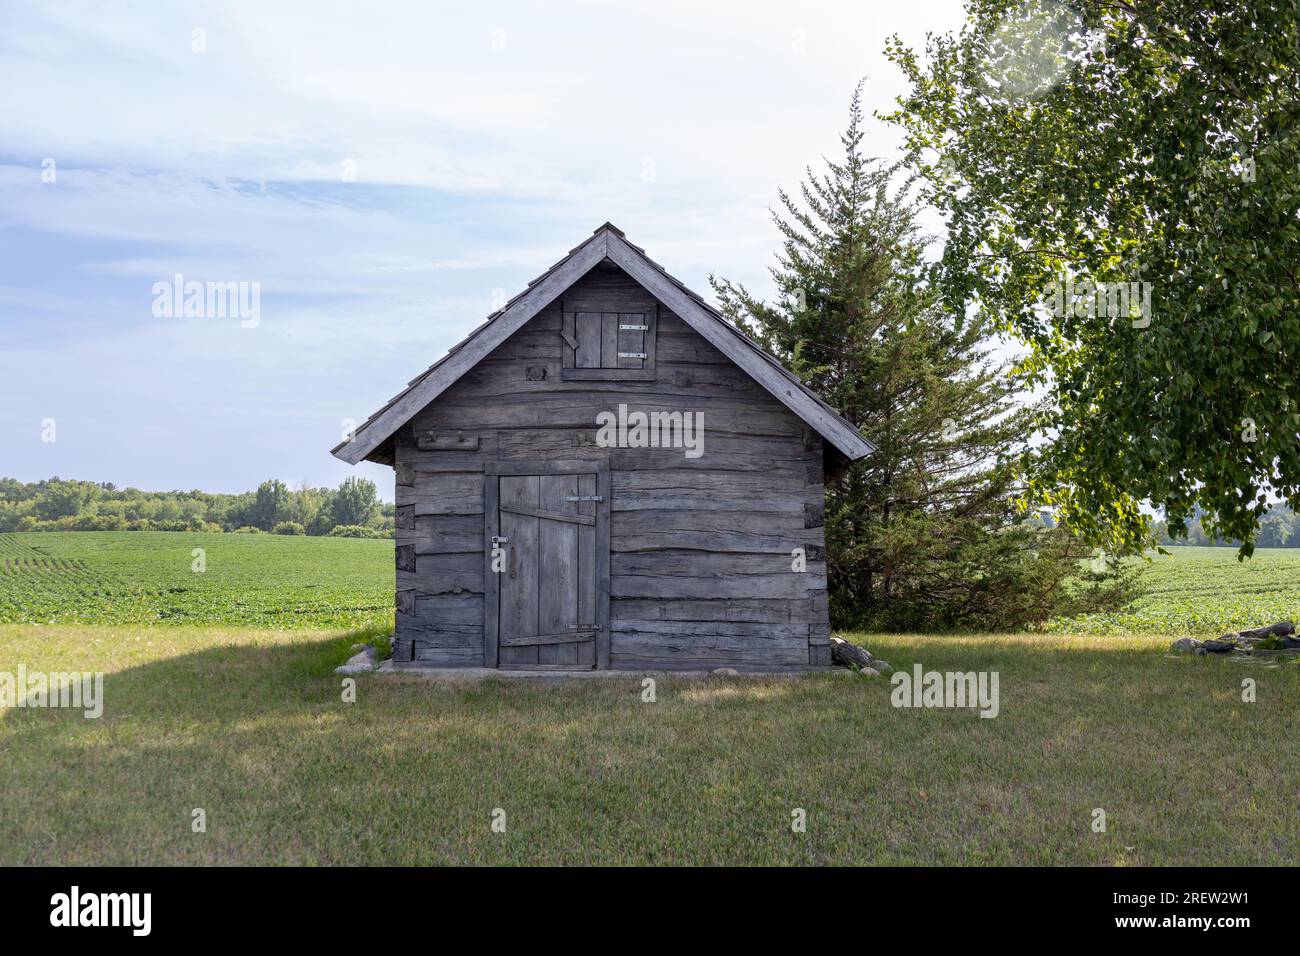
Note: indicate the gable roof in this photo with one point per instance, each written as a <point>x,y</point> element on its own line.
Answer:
<point>606,242</point>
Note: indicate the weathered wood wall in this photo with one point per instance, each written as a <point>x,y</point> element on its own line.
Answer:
<point>700,564</point>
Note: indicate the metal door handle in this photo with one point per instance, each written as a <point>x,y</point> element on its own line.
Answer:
<point>513,563</point>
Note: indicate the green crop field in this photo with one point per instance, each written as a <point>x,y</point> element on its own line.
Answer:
<point>1203,592</point>
<point>150,577</point>
<point>288,582</point>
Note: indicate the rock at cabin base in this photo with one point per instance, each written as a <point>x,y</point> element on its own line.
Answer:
<point>869,672</point>
<point>725,672</point>
<point>361,663</point>
<point>1219,647</point>
<point>1185,645</point>
<point>850,655</point>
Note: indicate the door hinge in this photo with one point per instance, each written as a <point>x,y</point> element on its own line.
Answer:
<point>634,328</point>
<point>639,355</point>
<point>584,627</point>
<point>498,541</point>
<point>584,497</point>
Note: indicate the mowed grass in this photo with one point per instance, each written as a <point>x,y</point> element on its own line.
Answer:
<point>250,726</point>
<point>1203,592</point>
<point>150,577</point>
<point>240,715</point>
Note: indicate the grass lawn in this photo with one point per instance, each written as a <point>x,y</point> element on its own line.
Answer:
<point>250,726</point>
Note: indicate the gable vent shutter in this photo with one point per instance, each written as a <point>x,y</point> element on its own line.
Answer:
<point>614,341</point>
<point>589,331</point>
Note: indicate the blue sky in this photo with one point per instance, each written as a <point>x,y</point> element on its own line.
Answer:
<point>383,172</point>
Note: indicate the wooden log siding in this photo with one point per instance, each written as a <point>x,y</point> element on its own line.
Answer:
<point>699,549</point>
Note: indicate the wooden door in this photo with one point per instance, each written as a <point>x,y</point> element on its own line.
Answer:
<point>546,595</point>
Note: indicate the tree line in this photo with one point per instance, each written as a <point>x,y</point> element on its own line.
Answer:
<point>1279,528</point>
<point>353,509</point>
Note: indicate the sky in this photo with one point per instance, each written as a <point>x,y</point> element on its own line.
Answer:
<point>382,176</point>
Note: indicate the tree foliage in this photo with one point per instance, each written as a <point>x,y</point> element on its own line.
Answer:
<point>58,504</point>
<point>923,533</point>
<point>355,502</point>
<point>1117,142</point>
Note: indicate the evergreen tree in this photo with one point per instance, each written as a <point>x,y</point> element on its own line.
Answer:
<point>923,533</point>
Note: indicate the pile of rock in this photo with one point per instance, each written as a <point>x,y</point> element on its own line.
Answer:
<point>1242,642</point>
<point>859,658</point>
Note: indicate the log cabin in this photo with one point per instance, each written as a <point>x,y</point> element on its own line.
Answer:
<point>609,474</point>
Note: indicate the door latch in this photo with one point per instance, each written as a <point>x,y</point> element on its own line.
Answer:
<point>584,627</point>
<point>497,541</point>
<point>638,355</point>
<point>634,328</point>
<point>584,497</point>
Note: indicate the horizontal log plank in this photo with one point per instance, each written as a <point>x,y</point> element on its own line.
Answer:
<point>434,611</point>
<point>713,633</point>
<point>459,493</point>
<point>446,534</point>
<point>786,585</point>
<point>449,656</point>
<point>760,610</point>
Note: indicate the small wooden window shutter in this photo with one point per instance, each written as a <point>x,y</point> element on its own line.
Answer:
<point>587,332</point>
<point>608,340</point>
<point>632,330</point>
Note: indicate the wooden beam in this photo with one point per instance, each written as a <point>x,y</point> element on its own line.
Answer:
<point>604,488</point>
<point>528,640</point>
<point>491,581</point>
<point>446,442</point>
<point>548,515</point>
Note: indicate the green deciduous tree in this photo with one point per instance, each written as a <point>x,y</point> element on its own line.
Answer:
<point>272,505</point>
<point>61,499</point>
<point>1109,141</point>
<point>355,502</point>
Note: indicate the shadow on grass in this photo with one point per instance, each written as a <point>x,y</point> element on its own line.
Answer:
<point>258,735</point>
